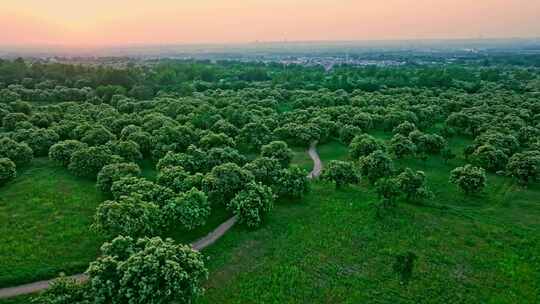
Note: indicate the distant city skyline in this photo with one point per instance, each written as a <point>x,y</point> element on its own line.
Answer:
<point>126,22</point>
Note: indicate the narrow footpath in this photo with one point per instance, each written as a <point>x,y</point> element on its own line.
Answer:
<point>317,163</point>
<point>34,287</point>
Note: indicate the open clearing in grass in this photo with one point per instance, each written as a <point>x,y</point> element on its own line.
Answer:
<point>333,150</point>
<point>330,248</point>
<point>45,215</point>
<point>327,151</point>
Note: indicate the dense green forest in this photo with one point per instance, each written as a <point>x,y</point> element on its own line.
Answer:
<point>429,190</point>
<point>46,82</point>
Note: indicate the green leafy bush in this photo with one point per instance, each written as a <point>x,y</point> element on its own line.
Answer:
<point>20,153</point>
<point>252,204</point>
<point>401,146</point>
<point>114,172</point>
<point>8,170</point>
<point>376,165</point>
<point>225,181</point>
<point>278,150</point>
<point>363,145</point>
<point>61,152</point>
<point>347,132</point>
<point>404,129</point>
<point>525,167</point>
<point>173,177</point>
<point>87,162</point>
<point>98,135</point>
<point>413,185</point>
<point>293,182</point>
<point>191,209</point>
<point>489,158</point>
<point>340,172</point>
<point>265,170</point>
<point>39,140</point>
<point>127,149</point>
<point>64,290</point>
<point>468,178</point>
<point>9,122</point>
<point>128,216</point>
<point>213,140</point>
<point>147,270</point>
<point>149,191</point>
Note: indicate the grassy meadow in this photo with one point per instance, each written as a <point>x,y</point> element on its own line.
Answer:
<point>45,219</point>
<point>328,247</point>
<point>45,215</point>
<point>331,248</point>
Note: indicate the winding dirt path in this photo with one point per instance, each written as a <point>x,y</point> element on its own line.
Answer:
<point>200,244</point>
<point>29,288</point>
<point>317,163</point>
<point>213,236</point>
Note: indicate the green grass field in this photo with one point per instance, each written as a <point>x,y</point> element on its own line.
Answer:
<point>330,248</point>
<point>45,214</point>
<point>17,300</point>
<point>327,151</point>
<point>45,218</point>
<point>332,150</point>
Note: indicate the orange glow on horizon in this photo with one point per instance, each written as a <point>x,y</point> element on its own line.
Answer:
<point>119,22</point>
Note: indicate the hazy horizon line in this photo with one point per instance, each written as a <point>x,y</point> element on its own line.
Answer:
<point>262,42</point>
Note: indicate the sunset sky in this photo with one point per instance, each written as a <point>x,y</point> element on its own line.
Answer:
<point>119,22</point>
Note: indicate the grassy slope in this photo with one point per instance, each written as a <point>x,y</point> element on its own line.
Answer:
<point>45,216</point>
<point>330,248</point>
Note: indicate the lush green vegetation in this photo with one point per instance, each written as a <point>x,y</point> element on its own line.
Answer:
<point>479,249</point>
<point>45,215</point>
<point>332,150</point>
<point>302,159</point>
<point>429,192</point>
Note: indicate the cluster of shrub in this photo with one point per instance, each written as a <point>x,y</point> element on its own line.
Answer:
<point>207,130</point>
<point>188,184</point>
<point>498,152</point>
<point>199,167</point>
<point>373,162</point>
<point>231,147</point>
